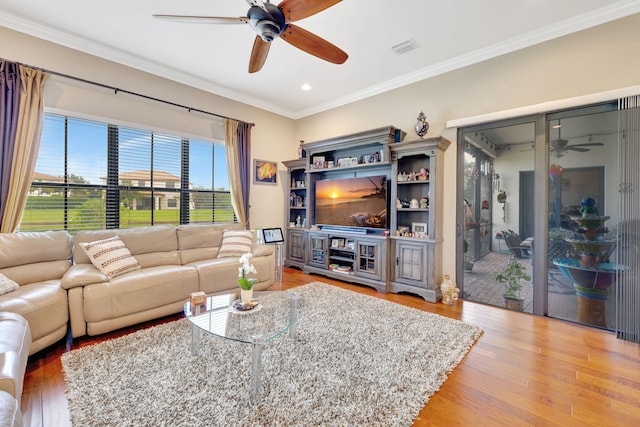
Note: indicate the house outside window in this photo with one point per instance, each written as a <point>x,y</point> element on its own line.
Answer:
<point>94,175</point>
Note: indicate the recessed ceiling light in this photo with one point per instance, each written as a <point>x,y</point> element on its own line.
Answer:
<point>306,86</point>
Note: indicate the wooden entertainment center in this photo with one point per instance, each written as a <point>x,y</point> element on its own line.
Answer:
<point>396,249</point>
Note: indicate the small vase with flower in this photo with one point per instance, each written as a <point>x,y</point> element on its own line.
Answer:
<point>246,283</point>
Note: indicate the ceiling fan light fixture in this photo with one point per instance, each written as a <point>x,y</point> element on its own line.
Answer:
<point>267,30</point>
<point>269,22</point>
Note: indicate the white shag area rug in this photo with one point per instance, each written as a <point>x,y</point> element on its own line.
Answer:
<point>358,360</point>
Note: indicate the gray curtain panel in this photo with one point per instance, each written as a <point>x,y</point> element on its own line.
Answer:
<point>10,87</point>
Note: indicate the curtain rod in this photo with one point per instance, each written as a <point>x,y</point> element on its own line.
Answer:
<point>128,92</point>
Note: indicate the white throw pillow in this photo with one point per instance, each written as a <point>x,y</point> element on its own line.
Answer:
<point>235,243</point>
<point>7,285</point>
<point>110,256</point>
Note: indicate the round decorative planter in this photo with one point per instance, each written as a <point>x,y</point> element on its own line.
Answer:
<point>514,303</point>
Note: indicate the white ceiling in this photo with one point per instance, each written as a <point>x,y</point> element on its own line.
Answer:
<point>450,34</point>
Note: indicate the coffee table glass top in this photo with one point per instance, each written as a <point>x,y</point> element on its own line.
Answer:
<point>274,315</point>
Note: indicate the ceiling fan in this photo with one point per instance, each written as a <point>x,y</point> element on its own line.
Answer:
<point>559,147</point>
<point>271,21</point>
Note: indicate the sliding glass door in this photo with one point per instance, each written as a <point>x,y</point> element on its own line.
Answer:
<point>583,215</point>
<point>546,191</point>
<point>497,211</point>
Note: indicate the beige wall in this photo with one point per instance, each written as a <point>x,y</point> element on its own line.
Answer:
<point>273,137</point>
<point>596,60</point>
<point>600,59</point>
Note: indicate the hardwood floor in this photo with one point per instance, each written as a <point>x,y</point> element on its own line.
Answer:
<point>524,370</point>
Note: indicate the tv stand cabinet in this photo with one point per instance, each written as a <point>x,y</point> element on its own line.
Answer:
<point>406,259</point>
<point>350,257</point>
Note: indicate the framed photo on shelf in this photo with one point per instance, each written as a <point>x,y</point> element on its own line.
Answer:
<point>265,172</point>
<point>419,227</point>
<point>318,162</point>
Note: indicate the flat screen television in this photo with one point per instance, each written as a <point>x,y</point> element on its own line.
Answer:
<point>352,202</point>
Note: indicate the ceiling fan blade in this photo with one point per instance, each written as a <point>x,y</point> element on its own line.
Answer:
<point>258,54</point>
<point>312,44</point>
<point>578,149</point>
<point>295,10</point>
<point>204,19</point>
<point>588,144</point>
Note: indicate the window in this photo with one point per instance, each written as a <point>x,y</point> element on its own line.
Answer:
<point>92,175</point>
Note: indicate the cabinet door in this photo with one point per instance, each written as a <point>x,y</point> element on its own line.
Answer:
<point>318,250</point>
<point>410,263</point>
<point>295,246</point>
<point>369,262</point>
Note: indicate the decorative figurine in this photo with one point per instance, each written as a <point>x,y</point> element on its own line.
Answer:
<point>449,290</point>
<point>423,175</point>
<point>422,126</point>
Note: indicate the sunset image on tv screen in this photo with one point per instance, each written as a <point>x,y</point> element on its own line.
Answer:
<point>357,202</point>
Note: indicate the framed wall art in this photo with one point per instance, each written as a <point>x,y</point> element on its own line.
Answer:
<point>265,172</point>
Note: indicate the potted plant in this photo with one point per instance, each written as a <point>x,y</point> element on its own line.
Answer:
<point>510,277</point>
<point>246,283</point>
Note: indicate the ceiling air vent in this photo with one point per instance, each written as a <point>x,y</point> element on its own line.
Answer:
<point>404,47</point>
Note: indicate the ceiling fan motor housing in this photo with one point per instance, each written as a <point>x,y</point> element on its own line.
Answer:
<point>269,24</point>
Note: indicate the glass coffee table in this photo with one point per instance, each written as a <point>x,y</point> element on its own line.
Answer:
<point>276,313</point>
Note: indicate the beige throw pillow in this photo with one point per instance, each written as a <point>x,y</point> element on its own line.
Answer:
<point>235,243</point>
<point>110,256</point>
<point>7,285</point>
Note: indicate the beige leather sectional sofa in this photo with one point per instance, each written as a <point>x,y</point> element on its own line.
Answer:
<point>175,261</point>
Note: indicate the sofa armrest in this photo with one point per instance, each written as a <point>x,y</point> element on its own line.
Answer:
<point>81,275</point>
<point>262,250</point>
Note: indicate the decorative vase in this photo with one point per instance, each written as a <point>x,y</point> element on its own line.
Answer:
<point>246,295</point>
<point>422,126</point>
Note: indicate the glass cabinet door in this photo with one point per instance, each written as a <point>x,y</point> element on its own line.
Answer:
<point>318,245</point>
<point>368,257</point>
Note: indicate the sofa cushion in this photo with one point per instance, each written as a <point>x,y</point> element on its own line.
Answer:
<point>35,256</point>
<point>15,338</point>
<point>7,285</point>
<point>111,256</point>
<point>139,291</point>
<point>235,243</point>
<point>44,305</point>
<point>152,246</point>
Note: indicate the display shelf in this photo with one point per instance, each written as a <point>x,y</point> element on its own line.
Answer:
<point>416,232</point>
<point>296,212</point>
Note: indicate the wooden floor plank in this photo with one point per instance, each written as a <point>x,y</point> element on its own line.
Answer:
<point>523,371</point>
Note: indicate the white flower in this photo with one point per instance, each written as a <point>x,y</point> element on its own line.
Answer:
<point>247,267</point>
